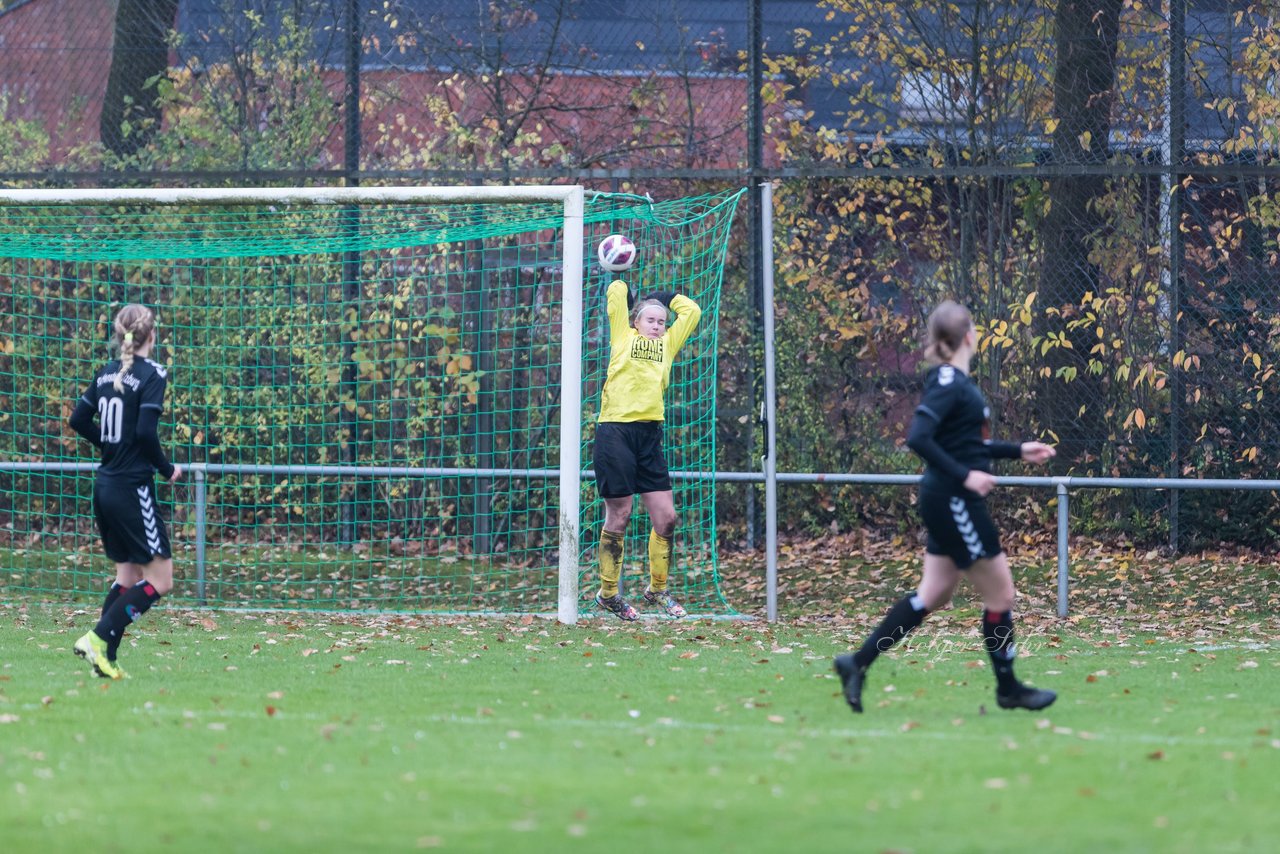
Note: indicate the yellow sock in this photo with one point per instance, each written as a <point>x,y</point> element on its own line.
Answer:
<point>659,561</point>
<point>610,562</point>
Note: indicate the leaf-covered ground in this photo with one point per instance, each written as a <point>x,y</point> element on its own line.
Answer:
<point>853,580</point>
<point>317,732</point>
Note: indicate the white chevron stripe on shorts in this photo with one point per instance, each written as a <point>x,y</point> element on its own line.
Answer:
<point>960,513</point>
<point>149,523</point>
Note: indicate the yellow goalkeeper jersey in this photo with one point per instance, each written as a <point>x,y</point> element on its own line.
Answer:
<point>639,367</point>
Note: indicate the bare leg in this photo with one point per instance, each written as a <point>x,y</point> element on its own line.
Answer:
<point>994,582</point>
<point>160,573</point>
<point>617,512</point>
<point>661,507</point>
<point>938,581</point>
<point>128,574</point>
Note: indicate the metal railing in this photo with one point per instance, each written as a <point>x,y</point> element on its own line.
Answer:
<point>1061,486</point>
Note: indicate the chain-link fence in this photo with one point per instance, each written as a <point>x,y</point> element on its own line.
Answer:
<point>1115,233</point>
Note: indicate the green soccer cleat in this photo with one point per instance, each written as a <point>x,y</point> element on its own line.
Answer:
<point>666,602</point>
<point>93,649</point>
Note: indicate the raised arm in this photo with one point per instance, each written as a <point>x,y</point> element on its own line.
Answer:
<point>618,302</point>
<point>687,313</point>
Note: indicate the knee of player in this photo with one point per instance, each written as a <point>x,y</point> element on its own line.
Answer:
<point>936,601</point>
<point>616,518</point>
<point>159,574</point>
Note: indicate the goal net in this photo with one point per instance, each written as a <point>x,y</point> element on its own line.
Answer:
<point>384,397</point>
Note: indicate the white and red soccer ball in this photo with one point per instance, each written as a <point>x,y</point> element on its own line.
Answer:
<point>617,253</point>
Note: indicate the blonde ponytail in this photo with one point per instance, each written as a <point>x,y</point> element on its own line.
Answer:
<point>948,324</point>
<point>133,327</point>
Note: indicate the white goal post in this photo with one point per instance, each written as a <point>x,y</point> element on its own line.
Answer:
<point>572,199</point>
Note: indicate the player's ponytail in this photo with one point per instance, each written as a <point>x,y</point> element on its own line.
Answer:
<point>133,327</point>
<point>949,323</point>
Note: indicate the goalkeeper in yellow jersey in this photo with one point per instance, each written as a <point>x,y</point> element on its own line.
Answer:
<point>628,456</point>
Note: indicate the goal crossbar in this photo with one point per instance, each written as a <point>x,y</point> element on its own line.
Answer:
<point>299,196</point>
<point>572,197</point>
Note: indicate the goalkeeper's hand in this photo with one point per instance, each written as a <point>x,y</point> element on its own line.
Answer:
<point>663,297</point>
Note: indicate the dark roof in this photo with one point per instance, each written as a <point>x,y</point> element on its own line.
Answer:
<point>630,36</point>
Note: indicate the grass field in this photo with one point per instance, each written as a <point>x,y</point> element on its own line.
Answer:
<point>288,732</point>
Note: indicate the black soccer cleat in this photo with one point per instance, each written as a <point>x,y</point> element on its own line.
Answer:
<point>851,676</point>
<point>1026,697</point>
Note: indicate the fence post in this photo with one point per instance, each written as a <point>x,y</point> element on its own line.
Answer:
<point>770,409</point>
<point>1063,507</point>
<point>201,505</point>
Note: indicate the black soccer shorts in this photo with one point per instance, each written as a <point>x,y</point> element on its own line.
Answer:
<point>628,459</point>
<point>129,521</point>
<point>958,527</point>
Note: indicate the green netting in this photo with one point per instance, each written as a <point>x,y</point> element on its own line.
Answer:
<point>371,395</point>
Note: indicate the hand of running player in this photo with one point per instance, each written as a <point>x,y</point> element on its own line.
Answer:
<point>1038,452</point>
<point>177,473</point>
<point>979,481</point>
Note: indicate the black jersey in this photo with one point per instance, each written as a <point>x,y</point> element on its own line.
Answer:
<point>951,430</point>
<point>128,454</point>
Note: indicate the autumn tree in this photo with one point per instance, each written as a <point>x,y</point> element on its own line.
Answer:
<point>1086,34</point>
<point>253,89</point>
<point>139,59</point>
<point>517,85</point>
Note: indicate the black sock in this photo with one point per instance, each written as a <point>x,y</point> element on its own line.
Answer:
<point>112,595</point>
<point>129,606</point>
<point>908,613</point>
<point>997,635</point>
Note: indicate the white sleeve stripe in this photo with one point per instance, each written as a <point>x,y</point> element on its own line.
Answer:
<point>86,399</point>
<point>924,410</point>
<point>151,406</point>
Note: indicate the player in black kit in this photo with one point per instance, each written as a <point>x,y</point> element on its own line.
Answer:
<point>950,431</point>
<point>127,395</point>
